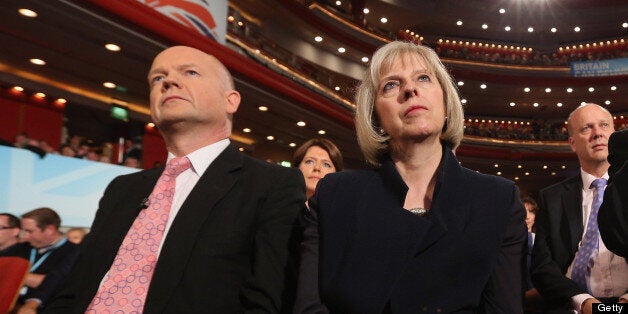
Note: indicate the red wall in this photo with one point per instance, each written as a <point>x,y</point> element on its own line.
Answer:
<point>39,120</point>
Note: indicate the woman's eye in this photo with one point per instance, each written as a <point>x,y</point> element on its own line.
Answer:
<point>309,162</point>
<point>390,85</point>
<point>424,78</point>
<point>327,165</point>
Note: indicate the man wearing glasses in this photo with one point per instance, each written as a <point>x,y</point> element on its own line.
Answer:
<point>9,230</point>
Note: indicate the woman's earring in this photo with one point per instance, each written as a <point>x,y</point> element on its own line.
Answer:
<point>381,131</point>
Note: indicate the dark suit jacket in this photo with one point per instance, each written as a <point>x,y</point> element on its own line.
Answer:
<point>613,215</point>
<point>227,250</point>
<point>468,255</point>
<point>559,228</point>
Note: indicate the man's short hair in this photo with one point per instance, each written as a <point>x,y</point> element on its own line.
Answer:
<point>44,217</point>
<point>12,220</point>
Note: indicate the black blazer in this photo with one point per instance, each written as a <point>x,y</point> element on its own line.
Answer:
<point>363,253</point>
<point>559,228</point>
<point>227,250</point>
<point>613,215</point>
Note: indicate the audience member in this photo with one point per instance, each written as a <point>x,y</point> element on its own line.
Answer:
<point>223,247</point>
<point>399,239</point>
<point>9,231</point>
<point>571,266</point>
<point>76,235</point>
<point>67,150</point>
<point>132,162</point>
<point>533,299</point>
<point>47,250</point>
<point>613,215</point>
<point>316,158</point>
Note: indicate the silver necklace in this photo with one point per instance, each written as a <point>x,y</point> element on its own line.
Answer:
<point>419,211</point>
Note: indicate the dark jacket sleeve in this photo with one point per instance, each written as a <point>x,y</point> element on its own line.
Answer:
<point>53,280</point>
<point>504,290</point>
<point>613,214</point>
<point>308,298</point>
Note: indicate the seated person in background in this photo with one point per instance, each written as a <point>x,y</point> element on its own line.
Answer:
<point>571,266</point>
<point>132,162</point>
<point>75,235</point>
<point>613,215</point>
<point>420,233</point>
<point>532,296</point>
<point>47,250</point>
<point>316,158</point>
<point>9,231</point>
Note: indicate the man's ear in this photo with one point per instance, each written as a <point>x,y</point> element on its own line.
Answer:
<point>572,144</point>
<point>233,101</point>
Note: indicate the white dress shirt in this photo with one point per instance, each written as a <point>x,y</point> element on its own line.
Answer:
<point>609,272</point>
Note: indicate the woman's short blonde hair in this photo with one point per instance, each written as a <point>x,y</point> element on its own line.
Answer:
<point>374,144</point>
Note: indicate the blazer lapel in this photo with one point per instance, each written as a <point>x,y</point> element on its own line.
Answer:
<point>217,180</point>
<point>572,209</point>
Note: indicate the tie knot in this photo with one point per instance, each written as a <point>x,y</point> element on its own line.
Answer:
<point>177,165</point>
<point>598,184</point>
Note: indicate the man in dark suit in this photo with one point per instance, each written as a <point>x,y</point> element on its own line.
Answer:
<point>613,216</point>
<point>563,218</point>
<point>224,245</point>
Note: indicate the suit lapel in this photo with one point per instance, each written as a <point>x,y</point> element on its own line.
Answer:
<point>572,209</point>
<point>217,180</point>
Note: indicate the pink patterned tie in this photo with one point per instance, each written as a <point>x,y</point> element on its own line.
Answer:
<point>126,284</point>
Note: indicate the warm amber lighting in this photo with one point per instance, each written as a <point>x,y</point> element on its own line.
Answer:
<point>113,47</point>
<point>18,88</point>
<point>40,95</point>
<point>27,12</point>
<point>37,61</point>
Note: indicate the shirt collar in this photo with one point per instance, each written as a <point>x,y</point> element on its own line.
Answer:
<point>588,178</point>
<point>204,156</point>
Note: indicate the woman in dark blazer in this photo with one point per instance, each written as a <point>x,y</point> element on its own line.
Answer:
<point>420,233</point>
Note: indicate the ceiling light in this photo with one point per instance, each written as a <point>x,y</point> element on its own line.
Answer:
<point>292,144</point>
<point>548,90</point>
<point>608,102</point>
<point>484,26</point>
<point>230,18</point>
<point>61,100</point>
<point>18,88</point>
<point>527,89</point>
<point>464,101</point>
<point>613,87</point>
<point>516,178</point>
<point>519,166</point>
<point>553,173</point>
<point>338,3</point>
<point>241,149</point>
<point>246,130</point>
<point>383,20</point>
<point>544,166</point>
<point>512,104</point>
<point>583,103</point>
<point>109,85</point>
<point>459,23</point>
<point>569,89</point>
<point>240,24</point>
<point>563,167</point>
<point>150,125</point>
<point>483,86</point>
<point>502,11</point>
<point>507,28</point>
<point>37,61</point>
<point>341,50</point>
<point>460,83</point>
<point>624,25</point>
<point>527,173</point>
<point>318,39</point>
<point>499,173</point>
<point>321,132</point>
<point>301,123</point>
<point>40,95</point>
<point>560,104</point>
<point>270,137</point>
<point>27,12</point>
<point>365,59</point>
<point>576,29</point>
<point>530,29</point>
<point>591,89</point>
<point>112,47</point>
<point>262,108</point>
<point>366,11</point>
<point>536,104</point>
<point>553,30</point>
<point>496,165</point>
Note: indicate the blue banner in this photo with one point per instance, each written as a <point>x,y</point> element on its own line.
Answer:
<point>609,67</point>
<point>70,186</point>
